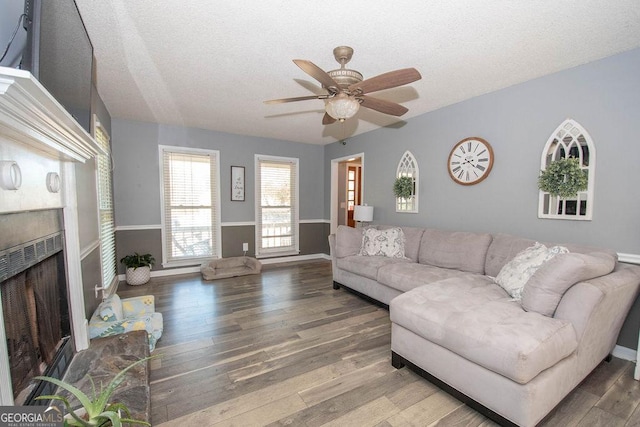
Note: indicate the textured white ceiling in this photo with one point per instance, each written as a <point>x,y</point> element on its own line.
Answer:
<point>210,64</point>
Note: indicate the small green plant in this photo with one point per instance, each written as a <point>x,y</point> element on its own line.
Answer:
<point>98,411</point>
<point>563,178</point>
<point>136,260</point>
<point>403,187</point>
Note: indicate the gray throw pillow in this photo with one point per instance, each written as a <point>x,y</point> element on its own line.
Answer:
<point>544,290</point>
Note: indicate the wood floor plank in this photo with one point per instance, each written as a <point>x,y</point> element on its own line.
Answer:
<point>597,417</point>
<point>252,350</point>
<point>427,411</point>
<point>623,396</point>
<point>313,396</point>
<point>369,414</point>
<point>572,410</point>
<point>265,414</point>
<point>463,416</point>
<point>237,405</point>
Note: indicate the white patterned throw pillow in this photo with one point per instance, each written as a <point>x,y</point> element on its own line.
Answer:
<point>389,242</point>
<point>517,272</point>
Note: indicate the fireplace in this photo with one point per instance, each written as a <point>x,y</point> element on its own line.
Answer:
<point>33,290</point>
<point>40,139</point>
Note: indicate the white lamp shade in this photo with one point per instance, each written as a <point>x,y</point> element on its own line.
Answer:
<point>363,213</point>
<point>342,106</point>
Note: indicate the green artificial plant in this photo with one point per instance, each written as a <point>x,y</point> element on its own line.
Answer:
<point>403,187</point>
<point>563,178</point>
<point>136,260</point>
<point>99,412</point>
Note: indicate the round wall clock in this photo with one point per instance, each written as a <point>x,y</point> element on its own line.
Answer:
<point>470,161</point>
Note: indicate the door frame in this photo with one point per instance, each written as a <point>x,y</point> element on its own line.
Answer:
<point>335,203</point>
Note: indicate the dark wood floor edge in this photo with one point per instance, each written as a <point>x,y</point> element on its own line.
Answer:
<point>398,362</point>
<point>337,285</point>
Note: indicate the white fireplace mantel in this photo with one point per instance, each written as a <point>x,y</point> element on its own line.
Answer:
<point>35,128</point>
<point>30,114</point>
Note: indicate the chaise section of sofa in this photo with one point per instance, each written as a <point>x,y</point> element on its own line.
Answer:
<point>514,359</point>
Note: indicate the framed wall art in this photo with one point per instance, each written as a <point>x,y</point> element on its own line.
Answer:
<point>237,183</point>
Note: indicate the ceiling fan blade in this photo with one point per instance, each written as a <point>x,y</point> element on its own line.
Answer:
<point>299,98</point>
<point>386,107</point>
<point>327,119</point>
<point>386,81</point>
<point>317,73</point>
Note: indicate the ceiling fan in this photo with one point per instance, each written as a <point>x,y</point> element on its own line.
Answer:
<point>347,91</point>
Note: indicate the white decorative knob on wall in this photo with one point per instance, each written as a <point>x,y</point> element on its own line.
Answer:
<point>10,175</point>
<point>53,182</point>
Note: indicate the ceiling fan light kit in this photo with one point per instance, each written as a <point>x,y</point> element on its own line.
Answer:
<point>342,106</point>
<point>346,88</point>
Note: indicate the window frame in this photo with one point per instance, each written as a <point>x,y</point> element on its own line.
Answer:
<point>216,206</point>
<point>294,249</point>
<point>107,261</point>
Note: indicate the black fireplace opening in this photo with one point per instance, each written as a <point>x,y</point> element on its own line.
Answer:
<point>33,288</point>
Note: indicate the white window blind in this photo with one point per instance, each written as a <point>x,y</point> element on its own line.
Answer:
<point>277,220</point>
<point>191,212</point>
<point>105,208</point>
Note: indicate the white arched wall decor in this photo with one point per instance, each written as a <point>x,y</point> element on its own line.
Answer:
<point>408,166</point>
<point>569,139</point>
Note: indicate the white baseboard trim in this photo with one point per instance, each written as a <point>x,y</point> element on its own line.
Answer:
<point>629,258</point>
<point>624,353</point>
<point>294,258</point>
<point>196,269</point>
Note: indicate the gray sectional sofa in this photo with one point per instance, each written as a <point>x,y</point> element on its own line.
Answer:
<point>513,358</point>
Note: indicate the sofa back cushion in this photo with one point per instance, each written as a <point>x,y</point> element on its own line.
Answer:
<point>412,237</point>
<point>460,250</point>
<point>544,290</point>
<point>504,247</point>
<point>348,241</point>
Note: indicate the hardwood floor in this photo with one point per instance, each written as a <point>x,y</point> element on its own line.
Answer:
<point>284,348</point>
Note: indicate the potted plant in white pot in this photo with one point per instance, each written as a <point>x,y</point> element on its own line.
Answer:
<point>138,268</point>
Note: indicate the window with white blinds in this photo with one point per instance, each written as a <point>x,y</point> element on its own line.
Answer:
<point>105,207</point>
<point>277,220</point>
<point>190,205</point>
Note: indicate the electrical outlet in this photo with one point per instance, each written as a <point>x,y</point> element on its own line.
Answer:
<point>245,247</point>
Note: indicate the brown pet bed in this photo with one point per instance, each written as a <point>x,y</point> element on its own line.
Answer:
<point>230,267</point>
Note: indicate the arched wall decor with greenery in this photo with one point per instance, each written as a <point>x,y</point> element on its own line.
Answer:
<point>568,160</point>
<point>407,177</point>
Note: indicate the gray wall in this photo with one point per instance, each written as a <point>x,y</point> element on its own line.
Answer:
<point>137,184</point>
<point>602,96</point>
<point>137,174</point>
<point>10,10</point>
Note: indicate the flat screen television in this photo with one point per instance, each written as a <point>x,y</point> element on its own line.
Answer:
<point>59,54</point>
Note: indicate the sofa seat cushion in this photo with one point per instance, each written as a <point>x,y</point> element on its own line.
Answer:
<point>367,266</point>
<point>407,276</point>
<point>477,320</point>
